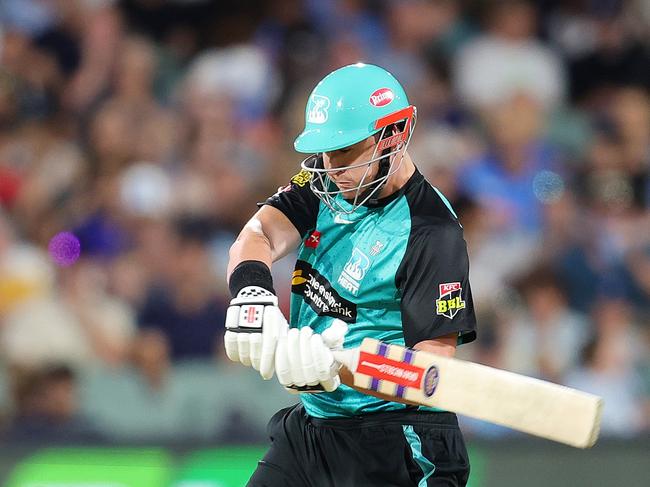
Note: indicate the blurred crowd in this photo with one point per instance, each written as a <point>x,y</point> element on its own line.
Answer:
<point>151,128</point>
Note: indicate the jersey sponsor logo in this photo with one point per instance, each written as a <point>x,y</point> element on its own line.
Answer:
<point>382,97</point>
<point>301,178</point>
<point>318,109</point>
<point>318,292</point>
<point>313,240</point>
<point>354,271</point>
<point>450,301</point>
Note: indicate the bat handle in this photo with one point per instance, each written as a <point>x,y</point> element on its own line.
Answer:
<point>349,358</point>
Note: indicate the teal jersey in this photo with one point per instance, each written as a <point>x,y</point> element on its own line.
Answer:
<point>395,269</point>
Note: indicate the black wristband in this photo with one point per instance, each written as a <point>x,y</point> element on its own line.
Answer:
<point>250,273</point>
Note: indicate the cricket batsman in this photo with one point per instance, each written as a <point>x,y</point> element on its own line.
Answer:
<point>380,254</point>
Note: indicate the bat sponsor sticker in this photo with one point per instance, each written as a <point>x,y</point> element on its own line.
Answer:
<point>431,378</point>
<point>383,368</point>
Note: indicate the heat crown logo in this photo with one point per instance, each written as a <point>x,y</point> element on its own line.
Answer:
<point>354,271</point>
<point>318,106</point>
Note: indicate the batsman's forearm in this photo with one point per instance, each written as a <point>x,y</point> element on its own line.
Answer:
<point>251,244</point>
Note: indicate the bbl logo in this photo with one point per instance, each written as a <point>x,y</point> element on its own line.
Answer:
<point>450,301</point>
<point>430,382</point>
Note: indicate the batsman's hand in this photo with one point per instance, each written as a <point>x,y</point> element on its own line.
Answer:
<point>254,323</point>
<point>304,361</point>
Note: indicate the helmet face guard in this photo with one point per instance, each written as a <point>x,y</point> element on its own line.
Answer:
<point>388,154</point>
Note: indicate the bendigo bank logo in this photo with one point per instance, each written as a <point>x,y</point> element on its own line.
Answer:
<point>450,301</point>
<point>317,291</point>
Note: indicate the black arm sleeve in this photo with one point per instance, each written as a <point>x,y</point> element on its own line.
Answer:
<point>434,282</point>
<point>298,202</point>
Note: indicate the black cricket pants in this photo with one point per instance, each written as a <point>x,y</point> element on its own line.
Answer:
<point>387,449</point>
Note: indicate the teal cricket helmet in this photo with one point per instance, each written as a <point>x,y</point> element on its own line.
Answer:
<point>345,106</point>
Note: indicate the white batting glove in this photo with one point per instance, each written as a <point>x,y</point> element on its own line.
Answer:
<point>254,323</point>
<point>304,361</point>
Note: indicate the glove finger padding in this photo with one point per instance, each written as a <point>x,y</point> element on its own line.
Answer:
<point>322,363</point>
<point>295,357</point>
<point>306,354</point>
<point>243,346</point>
<point>231,345</point>
<point>275,326</point>
<point>255,344</point>
<point>230,338</point>
<point>334,335</point>
<point>328,369</point>
<point>282,366</point>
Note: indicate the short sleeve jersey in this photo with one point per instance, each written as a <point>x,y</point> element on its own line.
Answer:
<point>395,270</point>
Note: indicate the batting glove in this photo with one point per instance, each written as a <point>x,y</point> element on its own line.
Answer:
<point>304,361</point>
<point>254,323</point>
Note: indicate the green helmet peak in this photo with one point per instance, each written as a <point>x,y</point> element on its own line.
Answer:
<point>344,107</point>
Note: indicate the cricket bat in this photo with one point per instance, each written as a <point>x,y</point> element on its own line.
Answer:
<point>516,401</point>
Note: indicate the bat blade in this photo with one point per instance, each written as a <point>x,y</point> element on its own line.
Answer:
<point>516,401</point>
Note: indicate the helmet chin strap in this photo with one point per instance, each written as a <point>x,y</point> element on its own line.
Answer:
<point>384,167</point>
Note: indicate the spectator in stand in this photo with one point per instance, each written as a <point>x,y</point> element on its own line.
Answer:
<point>47,409</point>
<point>630,114</point>
<point>77,322</point>
<point>616,59</point>
<point>544,337</point>
<point>504,179</point>
<point>609,369</point>
<point>185,310</point>
<point>508,60</point>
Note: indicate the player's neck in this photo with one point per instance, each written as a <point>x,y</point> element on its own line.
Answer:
<point>399,178</point>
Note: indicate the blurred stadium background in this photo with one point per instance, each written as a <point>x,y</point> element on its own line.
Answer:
<point>150,128</point>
